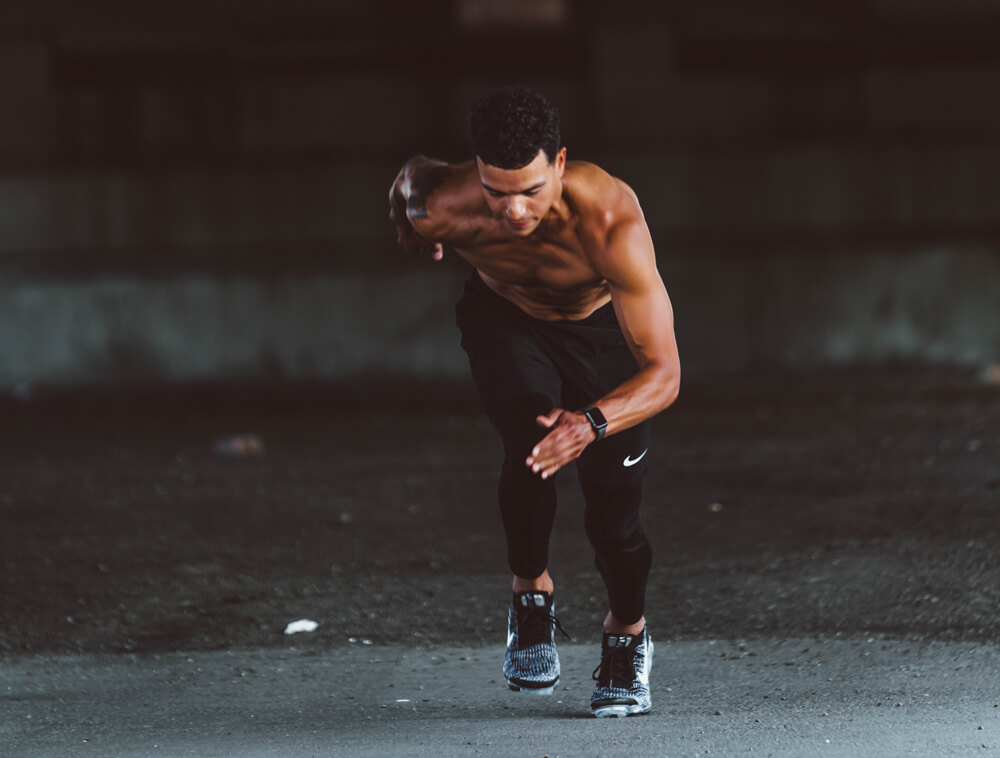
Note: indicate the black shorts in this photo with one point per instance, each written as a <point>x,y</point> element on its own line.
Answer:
<point>525,367</point>
<point>548,364</point>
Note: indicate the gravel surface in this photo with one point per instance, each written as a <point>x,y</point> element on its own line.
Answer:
<point>848,504</point>
<point>830,540</point>
<point>793,697</point>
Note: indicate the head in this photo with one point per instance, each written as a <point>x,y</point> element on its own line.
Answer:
<point>515,134</point>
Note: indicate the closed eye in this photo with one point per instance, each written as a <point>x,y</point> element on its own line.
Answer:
<point>493,192</point>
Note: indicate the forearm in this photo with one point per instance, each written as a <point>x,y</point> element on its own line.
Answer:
<point>641,397</point>
<point>647,393</point>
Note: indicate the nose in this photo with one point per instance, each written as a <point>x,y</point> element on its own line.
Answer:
<point>516,209</point>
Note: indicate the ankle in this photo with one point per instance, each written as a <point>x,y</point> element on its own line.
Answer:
<point>541,583</point>
<point>614,626</point>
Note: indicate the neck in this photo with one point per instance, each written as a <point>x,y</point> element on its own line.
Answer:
<point>557,213</point>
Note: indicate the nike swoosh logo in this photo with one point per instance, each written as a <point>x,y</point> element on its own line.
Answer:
<point>630,461</point>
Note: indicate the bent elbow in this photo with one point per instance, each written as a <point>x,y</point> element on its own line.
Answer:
<point>670,389</point>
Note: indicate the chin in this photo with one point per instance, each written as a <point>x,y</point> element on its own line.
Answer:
<point>521,232</point>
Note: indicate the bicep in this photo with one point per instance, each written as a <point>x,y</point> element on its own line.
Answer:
<point>640,298</point>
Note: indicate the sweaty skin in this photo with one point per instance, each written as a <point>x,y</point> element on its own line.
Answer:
<point>559,240</point>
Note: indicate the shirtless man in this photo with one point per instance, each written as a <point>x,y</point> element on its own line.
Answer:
<point>569,333</point>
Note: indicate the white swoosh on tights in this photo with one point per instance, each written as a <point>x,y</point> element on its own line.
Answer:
<point>630,461</point>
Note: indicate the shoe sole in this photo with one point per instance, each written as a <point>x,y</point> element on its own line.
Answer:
<point>618,711</point>
<point>547,690</point>
<point>621,710</point>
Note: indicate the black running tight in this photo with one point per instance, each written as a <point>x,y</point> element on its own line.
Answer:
<point>612,493</point>
<point>525,367</point>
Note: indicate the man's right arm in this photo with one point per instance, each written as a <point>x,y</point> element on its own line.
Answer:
<point>408,197</point>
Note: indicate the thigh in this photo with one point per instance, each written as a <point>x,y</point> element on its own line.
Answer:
<point>593,357</point>
<point>508,364</point>
<point>515,377</point>
<point>516,386</point>
<point>618,461</point>
<point>607,372</point>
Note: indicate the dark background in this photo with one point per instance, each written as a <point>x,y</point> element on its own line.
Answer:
<point>196,191</point>
<point>228,400</point>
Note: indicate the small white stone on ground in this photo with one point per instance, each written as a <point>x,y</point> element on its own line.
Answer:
<point>302,625</point>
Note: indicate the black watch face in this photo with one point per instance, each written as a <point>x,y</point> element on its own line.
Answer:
<point>596,418</point>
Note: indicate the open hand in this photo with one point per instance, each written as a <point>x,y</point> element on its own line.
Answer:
<point>570,434</point>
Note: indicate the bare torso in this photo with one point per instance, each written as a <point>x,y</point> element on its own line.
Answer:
<point>546,280</point>
<point>559,240</point>
<point>550,273</point>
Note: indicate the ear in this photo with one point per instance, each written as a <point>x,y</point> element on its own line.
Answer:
<point>560,162</point>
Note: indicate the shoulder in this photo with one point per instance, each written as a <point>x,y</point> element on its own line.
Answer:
<point>442,196</point>
<point>610,218</point>
<point>601,201</point>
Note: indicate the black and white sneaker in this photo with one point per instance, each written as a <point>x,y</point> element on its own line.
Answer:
<point>531,663</point>
<point>623,676</point>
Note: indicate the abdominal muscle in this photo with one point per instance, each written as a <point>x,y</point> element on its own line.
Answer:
<point>547,303</point>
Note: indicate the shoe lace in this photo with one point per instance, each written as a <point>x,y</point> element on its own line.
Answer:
<point>534,625</point>
<point>617,668</point>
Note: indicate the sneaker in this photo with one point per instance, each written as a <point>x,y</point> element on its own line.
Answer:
<point>531,663</point>
<point>623,676</point>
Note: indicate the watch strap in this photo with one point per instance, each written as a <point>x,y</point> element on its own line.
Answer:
<point>597,421</point>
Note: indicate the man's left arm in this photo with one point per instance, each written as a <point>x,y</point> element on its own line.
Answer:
<point>645,315</point>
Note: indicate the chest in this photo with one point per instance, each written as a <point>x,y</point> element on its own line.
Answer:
<point>553,264</point>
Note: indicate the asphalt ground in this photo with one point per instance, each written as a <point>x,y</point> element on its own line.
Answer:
<point>826,569</point>
<point>791,697</point>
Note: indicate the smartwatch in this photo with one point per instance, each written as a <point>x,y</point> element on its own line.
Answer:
<point>597,421</point>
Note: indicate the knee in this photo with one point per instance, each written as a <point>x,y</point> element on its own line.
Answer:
<point>515,476</point>
<point>611,537</point>
<point>515,418</point>
<point>611,518</point>
<point>520,489</point>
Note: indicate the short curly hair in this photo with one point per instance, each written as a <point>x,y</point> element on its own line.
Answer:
<point>510,126</point>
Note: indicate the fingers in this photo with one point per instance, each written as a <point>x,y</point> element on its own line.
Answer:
<point>549,420</point>
<point>551,454</point>
<point>416,245</point>
<point>570,434</point>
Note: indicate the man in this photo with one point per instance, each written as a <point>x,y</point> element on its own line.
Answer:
<point>569,333</point>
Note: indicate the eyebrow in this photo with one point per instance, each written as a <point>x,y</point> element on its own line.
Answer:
<point>532,188</point>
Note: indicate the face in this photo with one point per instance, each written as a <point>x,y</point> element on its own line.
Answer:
<point>520,198</point>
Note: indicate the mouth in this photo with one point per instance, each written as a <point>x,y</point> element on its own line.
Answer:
<point>518,225</point>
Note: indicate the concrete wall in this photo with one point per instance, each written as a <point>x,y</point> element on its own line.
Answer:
<point>795,310</point>
<point>187,195</point>
<point>197,328</point>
